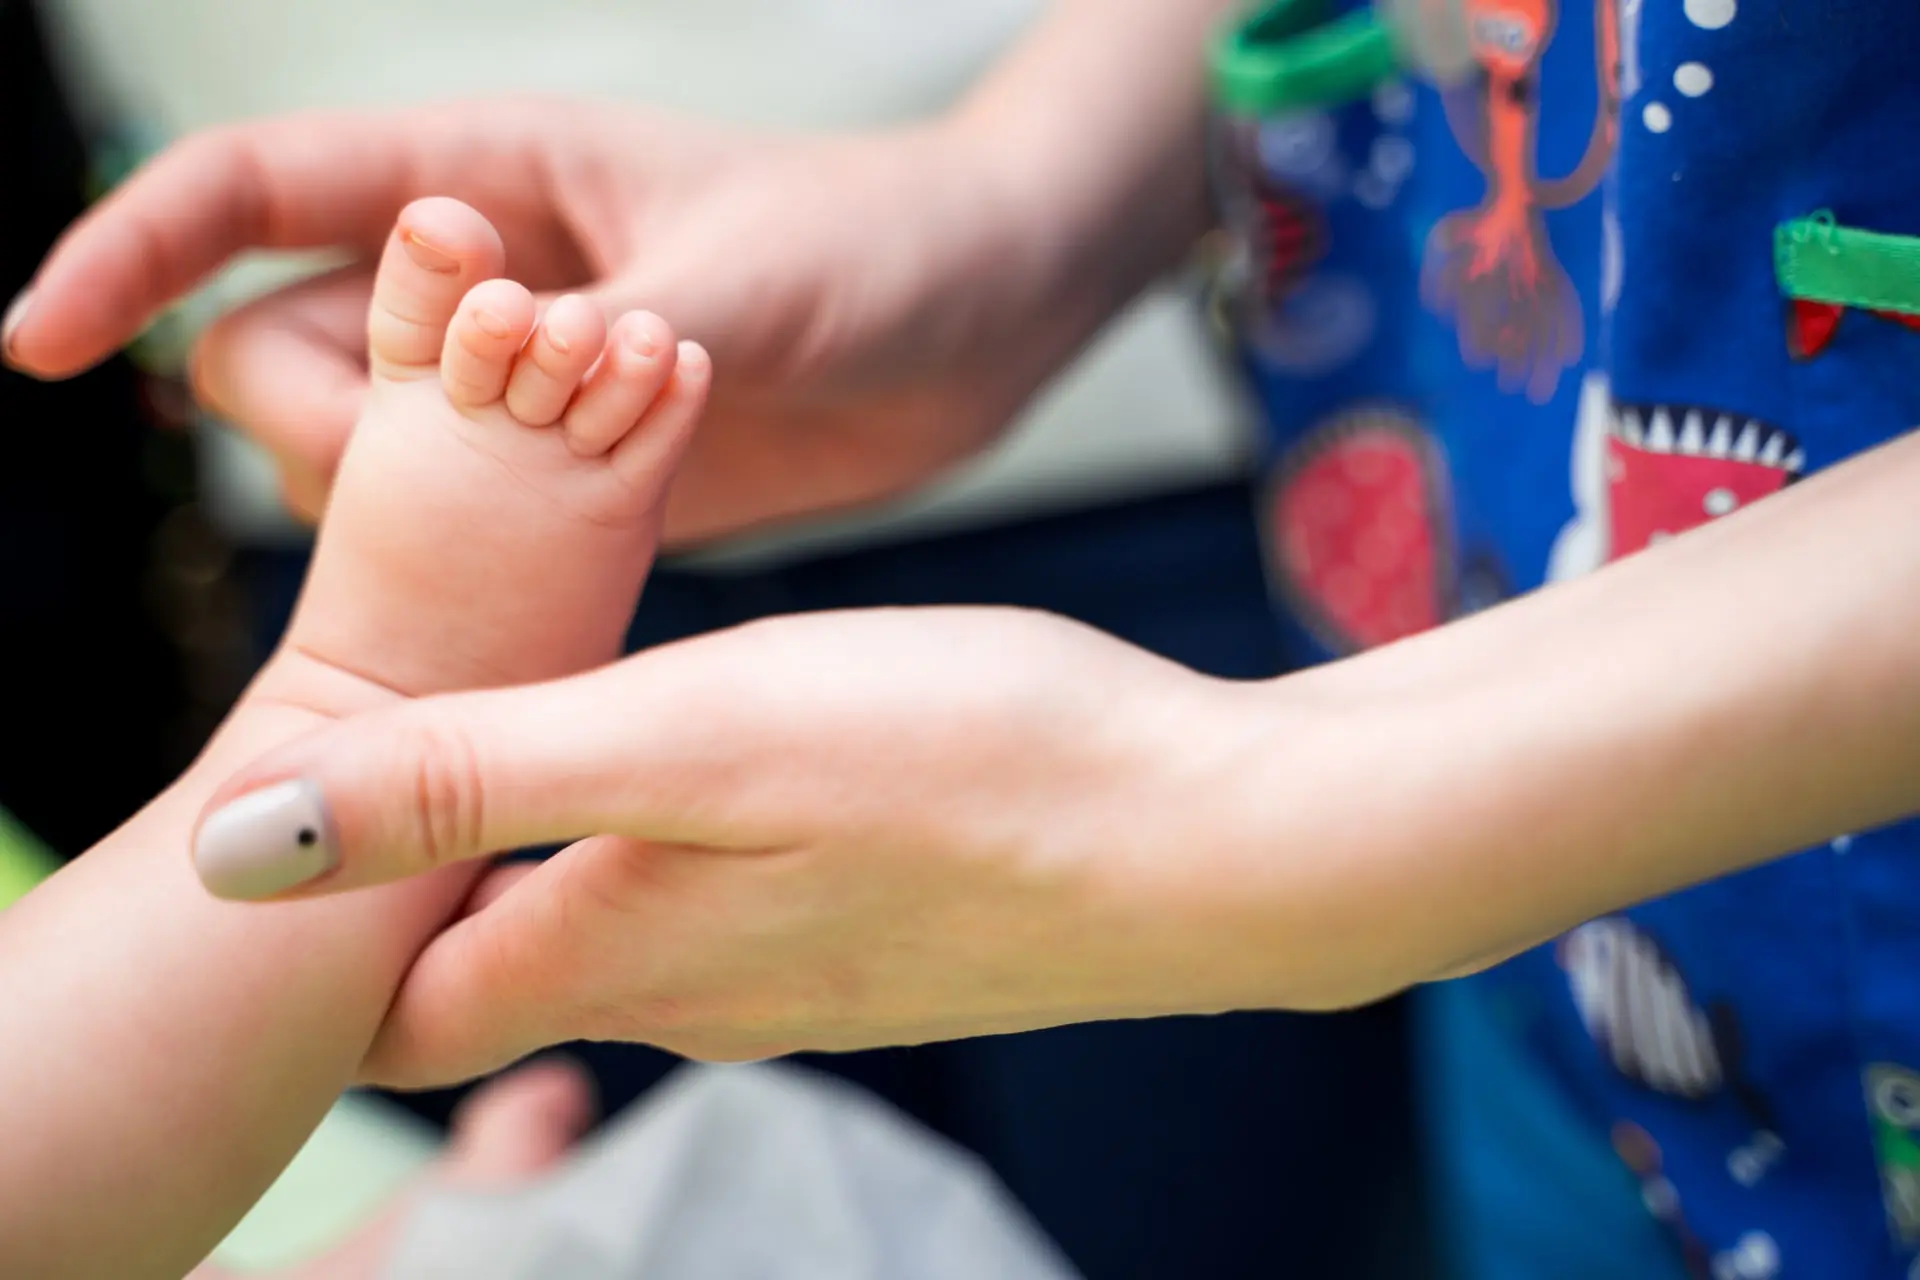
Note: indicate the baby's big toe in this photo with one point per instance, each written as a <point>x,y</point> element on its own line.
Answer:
<point>438,251</point>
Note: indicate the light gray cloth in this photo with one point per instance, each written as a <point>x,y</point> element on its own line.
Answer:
<point>741,1173</point>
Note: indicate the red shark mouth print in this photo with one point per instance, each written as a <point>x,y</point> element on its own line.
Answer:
<point>1281,231</point>
<point>1671,468</point>
<point>1356,536</point>
<point>1289,237</point>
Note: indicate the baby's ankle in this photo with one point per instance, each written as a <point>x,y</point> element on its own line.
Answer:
<point>293,678</point>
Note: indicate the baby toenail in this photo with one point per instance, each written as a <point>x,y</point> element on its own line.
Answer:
<point>427,255</point>
<point>559,344</point>
<point>491,325</point>
<point>642,345</point>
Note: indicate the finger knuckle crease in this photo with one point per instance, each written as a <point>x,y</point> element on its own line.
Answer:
<point>448,795</point>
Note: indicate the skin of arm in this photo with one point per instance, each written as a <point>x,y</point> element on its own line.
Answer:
<point>167,1053</point>
<point>1097,135</point>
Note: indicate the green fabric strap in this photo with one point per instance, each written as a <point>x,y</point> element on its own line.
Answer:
<point>1818,260</point>
<point>1285,56</point>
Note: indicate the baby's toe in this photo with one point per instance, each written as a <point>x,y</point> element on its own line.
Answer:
<point>638,361</point>
<point>439,250</point>
<point>486,335</point>
<point>651,452</point>
<point>567,342</point>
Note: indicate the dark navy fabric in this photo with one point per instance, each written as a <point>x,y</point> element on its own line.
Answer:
<point>1585,359</point>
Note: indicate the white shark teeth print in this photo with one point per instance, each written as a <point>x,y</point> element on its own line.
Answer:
<point>1637,1008</point>
<point>1660,430</point>
<point>1693,437</point>
<point>1706,433</point>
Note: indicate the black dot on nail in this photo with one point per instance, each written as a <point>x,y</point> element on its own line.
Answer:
<point>308,837</point>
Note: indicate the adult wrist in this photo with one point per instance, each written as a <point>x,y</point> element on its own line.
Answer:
<point>1085,223</point>
<point>1095,160</point>
<point>1003,252</point>
<point>1323,811</point>
<point>1214,844</point>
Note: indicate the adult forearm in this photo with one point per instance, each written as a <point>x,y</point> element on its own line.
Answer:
<point>1729,697</point>
<point>1096,125</point>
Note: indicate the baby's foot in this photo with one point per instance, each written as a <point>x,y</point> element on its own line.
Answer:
<point>500,501</point>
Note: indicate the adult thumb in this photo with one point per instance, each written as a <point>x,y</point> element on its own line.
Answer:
<point>401,791</point>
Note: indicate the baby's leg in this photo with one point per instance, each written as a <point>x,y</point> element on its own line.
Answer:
<point>162,1053</point>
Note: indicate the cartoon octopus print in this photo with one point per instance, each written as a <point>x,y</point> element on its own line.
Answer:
<point>1492,269</point>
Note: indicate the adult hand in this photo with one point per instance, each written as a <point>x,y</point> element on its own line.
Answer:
<point>877,306</point>
<point>809,267</point>
<point>822,832</point>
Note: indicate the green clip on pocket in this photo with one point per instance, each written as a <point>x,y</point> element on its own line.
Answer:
<point>1817,260</point>
<point>1287,56</point>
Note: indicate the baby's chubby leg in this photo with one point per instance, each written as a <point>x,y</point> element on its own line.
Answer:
<point>164,1053</point>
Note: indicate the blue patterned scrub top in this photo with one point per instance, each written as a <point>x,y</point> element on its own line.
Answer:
<point>1570,295</point>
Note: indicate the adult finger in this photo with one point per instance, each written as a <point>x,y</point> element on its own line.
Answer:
<point>401,791</point>
<point>298,181</point>
<point>600,941</point>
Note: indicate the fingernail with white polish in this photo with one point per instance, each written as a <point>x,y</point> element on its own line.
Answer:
<point>16,312</point>
<point>266,842</point>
